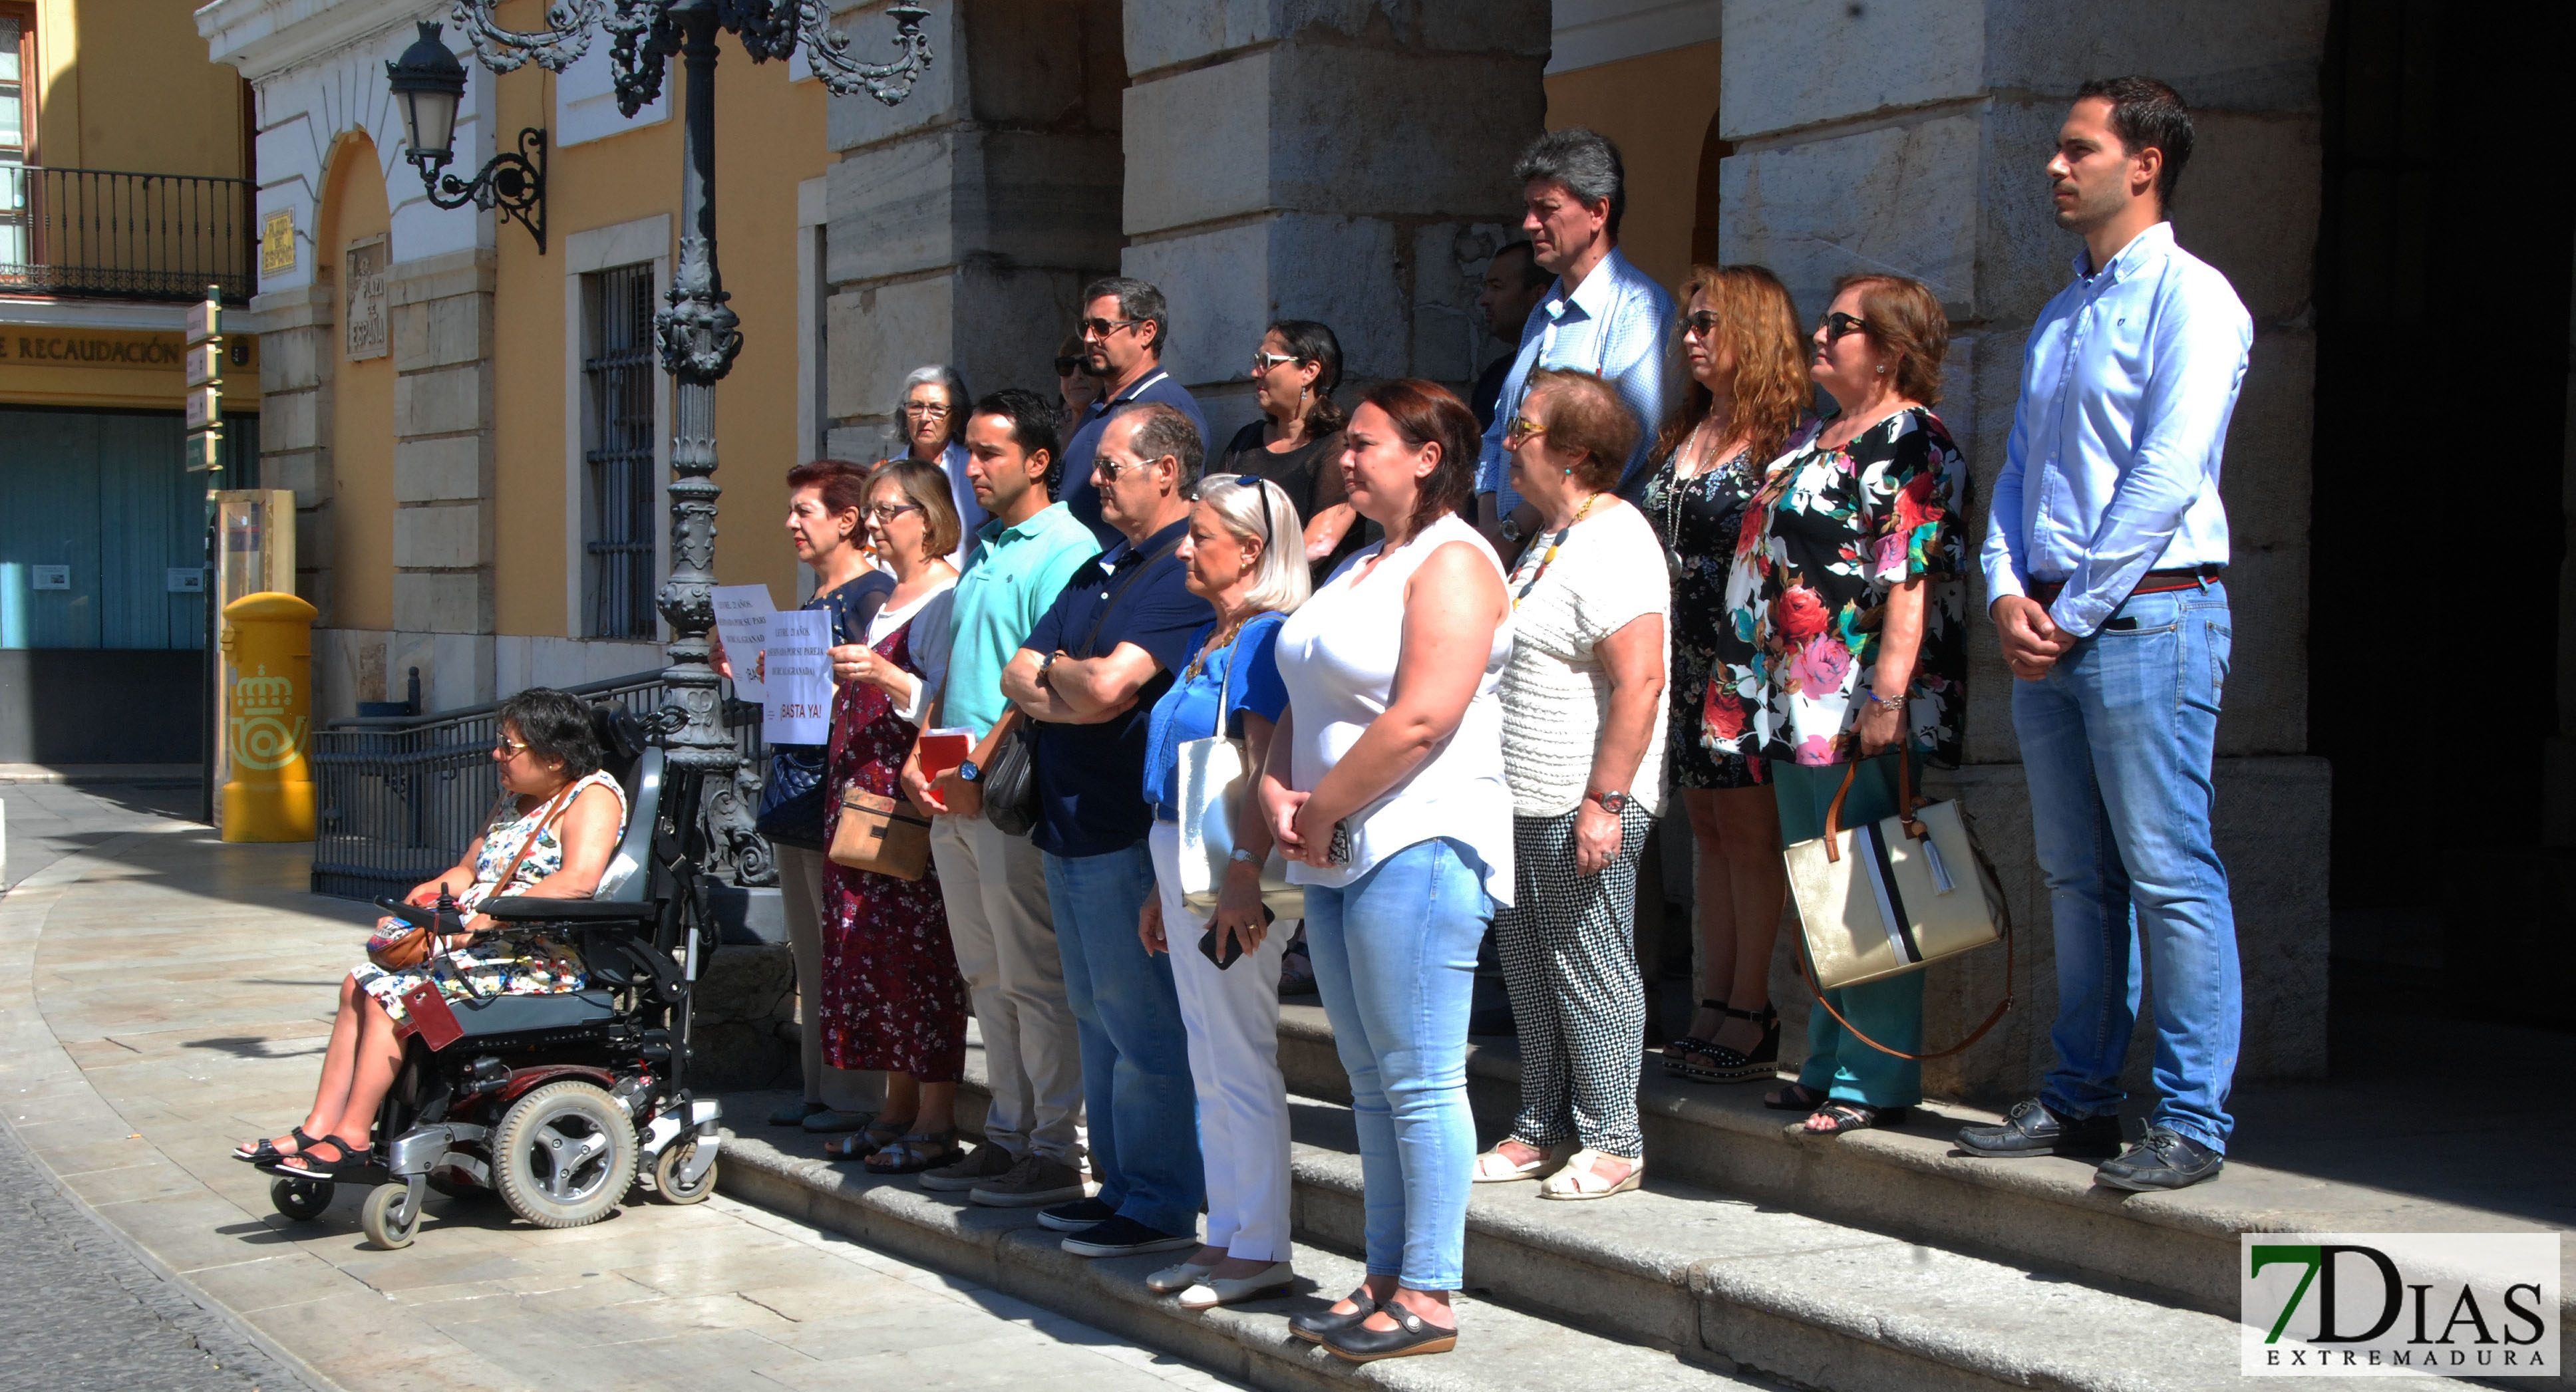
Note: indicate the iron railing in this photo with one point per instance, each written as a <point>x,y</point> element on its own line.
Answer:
<point>107,234</point>
<point>399,798</point>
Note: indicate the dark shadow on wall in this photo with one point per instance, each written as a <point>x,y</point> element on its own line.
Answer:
<point>101,706</point>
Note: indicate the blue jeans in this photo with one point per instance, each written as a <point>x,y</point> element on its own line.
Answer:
<point>2116,741</point>
<point>1395,960</point>
<point>1135,1048</point>
<point>1889,1010</point>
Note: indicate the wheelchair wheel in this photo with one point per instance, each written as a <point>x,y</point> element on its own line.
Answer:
<point>389,1222</point>
<point>563,1155</point>
<point>302,1200</point>
<point>666,1174</point>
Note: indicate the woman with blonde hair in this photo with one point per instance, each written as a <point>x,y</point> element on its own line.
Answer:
<point>1244,556</point>
<point>1852,573</point>
<point>1748,393</point>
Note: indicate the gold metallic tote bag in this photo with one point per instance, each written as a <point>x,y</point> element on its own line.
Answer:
<point>1894,896</point>
<point>1211,786</point>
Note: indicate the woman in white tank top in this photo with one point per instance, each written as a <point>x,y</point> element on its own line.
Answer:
<point>1385,789</point>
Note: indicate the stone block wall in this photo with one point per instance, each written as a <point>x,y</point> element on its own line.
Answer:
<point>1263,183</point>
<point>443,481</point>
<point>1933,168</point>
<point>964,222</point>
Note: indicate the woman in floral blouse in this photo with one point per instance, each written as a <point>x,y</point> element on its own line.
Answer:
<point>1850,641</point>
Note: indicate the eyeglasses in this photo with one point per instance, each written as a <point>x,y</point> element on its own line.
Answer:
<point>1110,469</point>
<point>1836,326</point>
<point>887,512</point>
<point>1521,428</point>
<point>1702,325</point>
<point>1263,362</point>
<point>505,747</point>
<point>1067,366</point>
<point>927,410</point>
<point>1102,328</point>
<point>1253,482</point>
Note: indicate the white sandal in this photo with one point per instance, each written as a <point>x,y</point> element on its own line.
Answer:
<point>1494,1167</point>
<point>1577,1180</point>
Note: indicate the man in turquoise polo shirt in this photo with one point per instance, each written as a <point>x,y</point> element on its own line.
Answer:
<point>994,884</point>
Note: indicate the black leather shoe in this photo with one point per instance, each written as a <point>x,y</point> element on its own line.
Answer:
<point>1412,1334</point>
<point>1312,1328</point>
<point>2032,1129</point>
<point>2165,1159</point>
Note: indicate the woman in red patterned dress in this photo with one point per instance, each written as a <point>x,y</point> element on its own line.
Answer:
<point>892,999</point>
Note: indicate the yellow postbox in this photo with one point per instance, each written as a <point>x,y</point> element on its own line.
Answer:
<point>268,666</point>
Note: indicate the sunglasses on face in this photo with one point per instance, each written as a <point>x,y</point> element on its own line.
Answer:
<point>1110,469</point>
<point>1263,362</point>
<point>505,747</point>
<point>1836,326</point>
<point>1702,325</point>
<point>1066,367</point>
<point>1102,328</point>
<point>1521,429</point>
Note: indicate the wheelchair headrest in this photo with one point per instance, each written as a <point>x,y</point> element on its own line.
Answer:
<point>620,734</point>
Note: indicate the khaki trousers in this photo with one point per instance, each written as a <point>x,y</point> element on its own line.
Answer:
<point>995,886</point>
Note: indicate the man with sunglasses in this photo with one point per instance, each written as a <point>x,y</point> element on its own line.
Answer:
<point>1124,329</point>
<point>2103,554</point>
<point>1601,315</point>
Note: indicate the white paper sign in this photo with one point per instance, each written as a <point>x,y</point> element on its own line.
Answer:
<point>742,621</point>
<point>798,704</point>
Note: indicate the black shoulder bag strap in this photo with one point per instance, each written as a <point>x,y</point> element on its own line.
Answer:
<point>1119,593</point>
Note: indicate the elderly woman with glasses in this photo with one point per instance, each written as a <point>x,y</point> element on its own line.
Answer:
<point>550,837</point>
<point>1297,443</point>
<point>932,416</point>
<point>1225,967</point>
<point>1583,744</point>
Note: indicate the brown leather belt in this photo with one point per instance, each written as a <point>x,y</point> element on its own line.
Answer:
<point>2045,592</point>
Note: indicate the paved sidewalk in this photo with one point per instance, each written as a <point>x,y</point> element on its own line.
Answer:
<point>163,996</point>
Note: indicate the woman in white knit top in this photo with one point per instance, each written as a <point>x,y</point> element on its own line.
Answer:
<point>1583,745</point>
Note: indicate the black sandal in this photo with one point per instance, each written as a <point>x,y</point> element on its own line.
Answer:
<point>352,1158</point>
<point>1854,1116</point>
<point>1796,1097</point>
<point>1678,1065</point>
<point>925,1150</point>
<point>1712,1062</point>
<point>265,1152</point>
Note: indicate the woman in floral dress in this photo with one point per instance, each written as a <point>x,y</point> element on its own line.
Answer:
<point>1749,392</point>
<point>1850,642</point>
<point>892,997</point>
<point>551,835</point>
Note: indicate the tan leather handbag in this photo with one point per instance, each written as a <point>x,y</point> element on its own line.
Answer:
<point>1895,896</point>
<point>880,834</point>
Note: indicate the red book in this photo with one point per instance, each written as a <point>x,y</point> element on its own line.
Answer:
<point>943,749</point>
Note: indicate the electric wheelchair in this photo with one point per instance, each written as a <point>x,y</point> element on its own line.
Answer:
<point>560,1104</point>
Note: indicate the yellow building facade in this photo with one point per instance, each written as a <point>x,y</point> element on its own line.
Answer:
<point>125,163</point>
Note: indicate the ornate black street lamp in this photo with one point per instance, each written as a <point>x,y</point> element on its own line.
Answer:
<point>696,330</point>
<point>429,82</point>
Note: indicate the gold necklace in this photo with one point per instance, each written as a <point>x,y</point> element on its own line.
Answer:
<point>1548,557</point>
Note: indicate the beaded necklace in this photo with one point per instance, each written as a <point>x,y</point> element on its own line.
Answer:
<point>1548,558</point>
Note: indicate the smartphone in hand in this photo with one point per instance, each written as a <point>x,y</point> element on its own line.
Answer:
<point>1220,947</point>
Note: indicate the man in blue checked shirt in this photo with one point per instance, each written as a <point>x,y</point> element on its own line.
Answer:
<point>2103,555</point>
<point>1602,315</point>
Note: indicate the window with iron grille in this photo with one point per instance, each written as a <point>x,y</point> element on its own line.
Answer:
<point>617,451</point>
<point>17,46</point>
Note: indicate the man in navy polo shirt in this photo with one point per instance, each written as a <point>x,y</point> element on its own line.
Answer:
<point>1090,673</point>
<point>1124,328</point>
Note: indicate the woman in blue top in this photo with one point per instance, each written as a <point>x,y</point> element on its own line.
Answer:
<point>1236,562</point>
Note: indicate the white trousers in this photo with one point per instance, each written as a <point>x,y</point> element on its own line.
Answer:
<point>1233,1020</point>
<point>800,897</point>
<point>998,921</point>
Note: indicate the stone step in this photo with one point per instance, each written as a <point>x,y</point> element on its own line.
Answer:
<point>1912,1181</point>
<point>1006,1249</point>
<point>1695,1277</point>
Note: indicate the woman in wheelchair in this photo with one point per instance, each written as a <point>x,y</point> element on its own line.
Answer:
<point>551,836</point>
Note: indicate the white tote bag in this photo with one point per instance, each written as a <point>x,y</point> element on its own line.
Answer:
<point>1212,785</point>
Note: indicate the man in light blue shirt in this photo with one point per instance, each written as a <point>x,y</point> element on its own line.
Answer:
<point>1602,316</point>
<point>2103,554</point>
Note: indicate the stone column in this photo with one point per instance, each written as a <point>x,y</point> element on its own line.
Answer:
<point>1347,162</point>
<point>1932,168</point>
<point>964,222</point>
<point>296,350</point>
<point>443,488</point>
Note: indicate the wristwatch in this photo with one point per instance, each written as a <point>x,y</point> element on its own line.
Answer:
<point>1613,803</point>
<point>968,772</point>
<point>1241,856</point>
<point>1511,530</point>
<point>1046,664</point>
